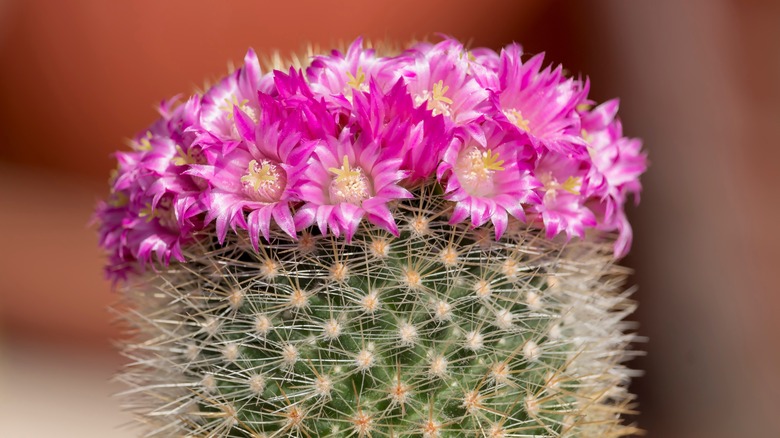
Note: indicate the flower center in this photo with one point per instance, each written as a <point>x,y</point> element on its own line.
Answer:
<point>192,155</point>
<point>163,212</point>
<point>438,103</point>
<point>349,185</point>
<point>264,181</point>
<point>592,152</point>
<point>586,135</point>
<point>475,170</point>
<point>516,117</point>
<point>552,186</point>
<point>144,144</point>
<point>357,81</point>
<point>243,105</point>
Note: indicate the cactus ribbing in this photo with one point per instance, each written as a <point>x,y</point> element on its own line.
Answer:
<point>441,332</point>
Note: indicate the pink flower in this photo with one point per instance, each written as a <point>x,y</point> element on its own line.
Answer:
<point>238,90</point>
<point>154,206</point>
<point>562,207</point>
<point>617,164</point>
<point>348,179</point>
<point>135,232</point>
<point>540,103</point>
<point>484,65</point>
<point>337,76</point>
<point>110,215</point>
<point>354,133</point>
<point>439,80</point>
<point>617,161</point>
<point>391,120</point>
<point>487,176</point>
<point>173,139</point>
<point>155,231</point>
<point>261,175</point>
<point>617,221</point>
<point>292,92</point>
<point>485,58</point>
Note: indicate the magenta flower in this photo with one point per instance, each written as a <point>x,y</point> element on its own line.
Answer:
<point>337,76</point>
<point>354,132</point>
<point>217,125</point>
<point>392,120</point>
<point>617,161</point>
<point>155,231</point>
<point>562,208</point>
<point>487,176</point>
<point>176,150</point>
<point>136,232</point>
<point>161,174</point>
<point>617,164</point>
<point>540,103</point>
<point>110,215</point>
<point>292,92</point>
<point>439,80</point>
<point>485,58</point>
<point>348,179</point>
<point>261,176</point>
<point>615,220</point>
<point>154,206</point>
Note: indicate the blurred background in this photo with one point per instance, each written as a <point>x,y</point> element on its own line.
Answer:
<point>698,81</point>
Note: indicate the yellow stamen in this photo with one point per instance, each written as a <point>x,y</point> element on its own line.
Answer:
<point>586,136</point>
<point>345,173</point>
<point>357,80</point>
<point>490,161</point>
<point>584,107</point>
<point>183,158</point>
<point>349,185</point>
<point>144,144</point>
<point>439,90</point>
<point>118,199</point>
<point>229,103</point>
<point>259,176</point>
<point>572,185</point>
<point>147,212</point>
<point>516,117</point>
<point>475,170</point>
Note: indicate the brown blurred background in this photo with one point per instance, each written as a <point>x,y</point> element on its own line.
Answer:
<point>698,82</point>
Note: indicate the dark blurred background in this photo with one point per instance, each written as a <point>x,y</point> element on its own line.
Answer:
<point>698,82</point>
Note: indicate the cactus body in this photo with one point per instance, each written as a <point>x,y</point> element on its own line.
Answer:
<point>440,332</point>
<point>419,243</point>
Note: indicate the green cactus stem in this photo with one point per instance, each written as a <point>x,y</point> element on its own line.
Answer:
<point>440,332</point>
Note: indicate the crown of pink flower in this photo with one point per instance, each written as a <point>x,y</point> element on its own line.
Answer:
<point>335,145</point>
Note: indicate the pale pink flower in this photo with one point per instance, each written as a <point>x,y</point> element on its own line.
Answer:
<point>562,209</point>
<point>540,103</point>
<point>487,176</point>
<point>439,80</point>
<point>255,183</point>
<point>217,125</point>
<point>348,179</point>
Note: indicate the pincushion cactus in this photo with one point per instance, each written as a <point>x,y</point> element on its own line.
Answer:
<point>420,243</point>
